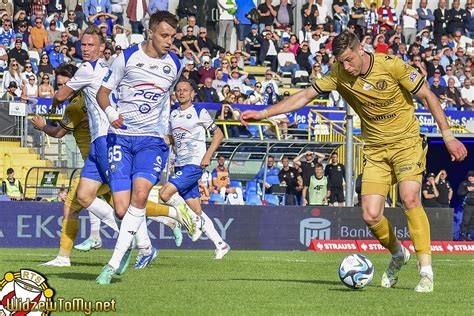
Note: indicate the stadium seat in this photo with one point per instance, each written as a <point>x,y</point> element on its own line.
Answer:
<point>301,78</point>
<point>122,40</point>
<point>235,184</point>
<point>272,199</point>
<point>216,198</point>
<point>253,129</point>
<point>136,39</point>
<point>253,199</point>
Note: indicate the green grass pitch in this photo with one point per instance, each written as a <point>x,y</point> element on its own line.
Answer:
<point>184,282</point>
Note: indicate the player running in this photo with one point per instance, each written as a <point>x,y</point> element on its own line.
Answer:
<point>188,125</point>
<point>75,119</point>
<point>143,76</point>
<point>380,88</point>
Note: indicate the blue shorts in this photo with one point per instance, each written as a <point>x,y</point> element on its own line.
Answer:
<point>185,179</point>
<point>96,165</point>
<point>132,157</point>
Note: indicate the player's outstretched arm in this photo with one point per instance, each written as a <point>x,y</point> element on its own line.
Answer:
<point>103,100</point>
<point>63,94</point>
<point>216,141</point>
<point>293,103</point>
<point>455,148</point>
<point>53,131</point>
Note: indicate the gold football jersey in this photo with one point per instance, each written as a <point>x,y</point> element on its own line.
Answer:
<point>75,119</point>
<point>382,97</point>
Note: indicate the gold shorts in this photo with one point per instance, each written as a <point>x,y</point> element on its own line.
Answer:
<point>71,199</point>
<point>388,164</point>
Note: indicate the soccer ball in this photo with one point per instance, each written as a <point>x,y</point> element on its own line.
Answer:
<point>356,271</point>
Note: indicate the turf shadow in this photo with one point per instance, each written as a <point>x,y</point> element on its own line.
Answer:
<point>78,276</point>
<point>320,282</point>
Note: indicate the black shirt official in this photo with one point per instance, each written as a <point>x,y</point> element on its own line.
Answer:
<point>335,174</point>
<point>443,187</point>
<point>432,202</point>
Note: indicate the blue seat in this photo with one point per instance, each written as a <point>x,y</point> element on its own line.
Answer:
<point>251,187</point>
<point>253,129</point>
<point>253,199</point>
<point>235,184</point>
<point>272,199</point>
<point>273,180</point>
<point>216,198</point>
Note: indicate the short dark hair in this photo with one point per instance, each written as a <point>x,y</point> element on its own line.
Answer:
<point>66,70</point>
<point>184,80</point>
<point>342,42</point>
<point>95,30</point>
<point>270,156</point>
<point>10,171</point>
<point>220,155</point>
<point>163,16</point>
<point>334,153</point>
<point>319,165</point>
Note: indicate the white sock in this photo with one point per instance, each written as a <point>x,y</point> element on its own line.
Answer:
<point>130,225</point>
<point>211,232</point>
<point>176,200</point>
<point>143,240</point>
<point>428,270</point>
<point>170,222</point>
<point>104,212</point>
<point>95,227</point>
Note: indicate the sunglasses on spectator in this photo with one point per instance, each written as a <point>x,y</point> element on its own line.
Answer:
<point>28,66</point>
<point>45,78</point>
<point>258,86</point>
<point>22,25</point>
<point>202,32</point>
<point>107,53</point>
<point>14,65</point>
<point>39,22</point>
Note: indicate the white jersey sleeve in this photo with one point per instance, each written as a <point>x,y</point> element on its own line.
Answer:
<point>88,78</point>
<point>115,73</point>
<point>205,120</point>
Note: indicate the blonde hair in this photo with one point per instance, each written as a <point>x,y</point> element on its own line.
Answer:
<point>10,68</point>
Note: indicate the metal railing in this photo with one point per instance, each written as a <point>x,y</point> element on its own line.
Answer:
<point>45,182</point>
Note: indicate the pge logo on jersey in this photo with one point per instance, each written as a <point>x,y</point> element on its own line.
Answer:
<point>25,291</point>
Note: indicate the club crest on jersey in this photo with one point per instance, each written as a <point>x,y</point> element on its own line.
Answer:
<point>144,108</point>
<point>381,85</point>
<point>167,69</point>
<point>367,86</point>
<point>413,76</point>
<point>189,116</point>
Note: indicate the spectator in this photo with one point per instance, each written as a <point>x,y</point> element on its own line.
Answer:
<point>433,66</point>
<point>470,19</point>
<point>227,9</point>
<point>12,187</point>
<point>7,34</point>
<point>335,172</point>
<point>444,189</point>
<point>191,24</point>
<point>357,18</point>
<point>19,54</point>
<point>372,19</point>
<point>45,66</point>
<point>419,65</point>
<point>293,181</point>
<point>269,50</point>
<point>61,197</point>
<point>380,45</point>
<point>118,6</point>
<point>317,190</point>
<point>12,75</point>
<point>6,6</point>
<point>237,80</point>
<point>186,8</point>
<point>3,59</point>
<point>341,19</point>
<point>102,18</point>
<point>430,192</point>
<point>22,5</point>
<point>136,11</point>
<point>157,5</point>
<point>267,14</point>
<point>387,17</point>
<point>272,171</point>
<point>226,113</point>
<point>65,41</point>
<point>72,26</point>
<point>207,93</point>
<point>45,89</point>
<point>30,88</point>
<point>440,22</point>
<point>293,44</point>
<point>457,18</point>
<point>221,177</point>
<point>284,16</point>
<point>466,192</point>
<point>302,57</point>
<point>218,83</point>
<point>205,42</point>
<point>23,34</point>
<point>38,8</point>
<point>437,75</point>
<point>467,95</point>
<point>55,56</point>
<point>426,17</point>
<point>11,92</point>
<point>318,40</point>
<point>271,78</point>
<point>92,7</point>
<point>309,13</point>
<point>28,72</point>
<point>449,75</point>
<point>223,93</point>
<point>287,61</point>
<point>453,96</point>
<point>39,36</point>
<point>409,21</point>
<point>56,6</point>
<point>307,167</point>
<point>305,33</point>
<point>53,33</point>
<point>252,41</point>
<point>439,91</point>
<point>190,41</point>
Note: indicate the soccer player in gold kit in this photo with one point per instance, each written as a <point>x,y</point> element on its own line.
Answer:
<point>379,88</point>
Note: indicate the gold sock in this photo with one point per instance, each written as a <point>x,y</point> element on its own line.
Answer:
<point>156,209</point>
<point>383,231</point>
<point>419,228</point>
<point>68,235</point>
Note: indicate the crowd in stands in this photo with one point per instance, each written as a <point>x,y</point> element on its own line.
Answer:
<point>38,35</point>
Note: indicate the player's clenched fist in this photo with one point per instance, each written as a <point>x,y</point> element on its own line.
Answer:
<point>249,116</point>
